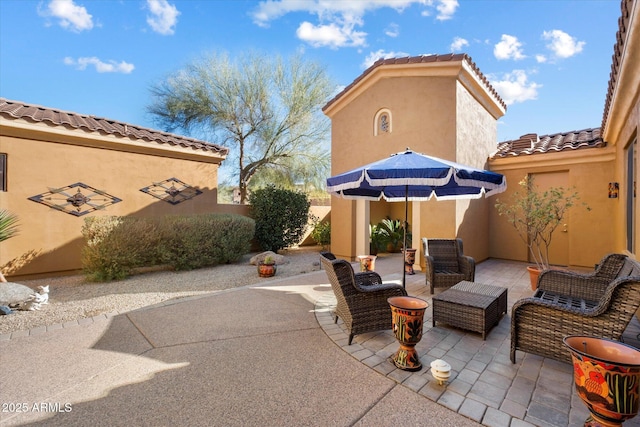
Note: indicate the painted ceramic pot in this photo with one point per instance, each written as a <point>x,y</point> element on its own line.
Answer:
<point>266,270</point>
<point>607,377</point>
<point>367,262</point>
<point>409,260</point>
<point>407,316</point>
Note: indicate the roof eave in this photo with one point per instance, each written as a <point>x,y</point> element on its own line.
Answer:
<point>42,131</point>
<point>624,82</point>
<point>461,69</point>
<point>553,158</point>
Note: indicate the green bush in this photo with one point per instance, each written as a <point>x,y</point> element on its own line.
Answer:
<point>203,240</point>
<point>281,217</point>
<point>321,234</point>
<point>117,245</point>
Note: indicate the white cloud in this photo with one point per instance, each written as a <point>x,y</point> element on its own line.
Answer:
<point>337,21</point>
<point>381,54</point>
<point>101,67</point>
<point>458,44</point>
<point>541,58</point>
<point>163,18</point>
<point>446,9</point>
<point>393,30</point>
<point>508,48</point>
<point>72,17</point>
<point>562,44</point>
<point>514,87</point>
<point>331,35</point>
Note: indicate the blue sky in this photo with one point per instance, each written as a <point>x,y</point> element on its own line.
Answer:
<point>549,60</point>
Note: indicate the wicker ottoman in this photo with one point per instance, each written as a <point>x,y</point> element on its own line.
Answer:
<point>471,306</point>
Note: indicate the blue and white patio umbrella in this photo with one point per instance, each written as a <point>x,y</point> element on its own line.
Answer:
<point>410,176</point>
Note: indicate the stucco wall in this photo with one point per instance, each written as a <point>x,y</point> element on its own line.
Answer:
<point>590,233</point>
<point>423,119</point>
<point>35,167</point>
<point>475,141</point>
<point>435,115</point>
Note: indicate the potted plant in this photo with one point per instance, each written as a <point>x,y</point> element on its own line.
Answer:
<point>267,267</point>
<point>378,239</point>
<point>535,215</point>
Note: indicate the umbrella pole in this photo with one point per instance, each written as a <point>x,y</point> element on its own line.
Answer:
<point>404,245</point>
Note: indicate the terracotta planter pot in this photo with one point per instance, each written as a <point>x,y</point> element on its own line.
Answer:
<point>266,270</point>
<point>607,378</point>
<point>534,273</point>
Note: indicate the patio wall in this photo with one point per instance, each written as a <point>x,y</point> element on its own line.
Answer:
<point>39,162</point>
<point>589,233</point>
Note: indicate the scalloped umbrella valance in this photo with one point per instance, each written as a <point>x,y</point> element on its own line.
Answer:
<point>410,176</point>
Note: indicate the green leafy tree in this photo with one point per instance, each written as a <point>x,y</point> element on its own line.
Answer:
<point>281,217</point>
<point>267,110</point>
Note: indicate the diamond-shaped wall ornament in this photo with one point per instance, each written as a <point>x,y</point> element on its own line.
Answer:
<point>76,199</point>
<point>172,191</point>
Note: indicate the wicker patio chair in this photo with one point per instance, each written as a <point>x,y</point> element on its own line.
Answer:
<point>446,264</point>
<point>600,304</point>
<point>361,297</point>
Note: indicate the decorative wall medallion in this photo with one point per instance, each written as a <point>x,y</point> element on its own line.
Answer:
<point>78,202</point>
<point>172,191</point>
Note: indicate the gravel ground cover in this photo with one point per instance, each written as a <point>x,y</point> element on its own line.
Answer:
<point>72,297</point>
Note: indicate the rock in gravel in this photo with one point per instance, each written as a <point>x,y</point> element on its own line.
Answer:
<point>13,293</point>
<point>279,259</point>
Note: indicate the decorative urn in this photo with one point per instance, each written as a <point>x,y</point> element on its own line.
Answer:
<point>407,319</point>
<point>607,377</point>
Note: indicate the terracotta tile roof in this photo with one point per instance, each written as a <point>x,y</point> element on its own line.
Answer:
<point>451,57</point>
<point>616,59</point>
<point>532,144</point>
<point>34,113</point>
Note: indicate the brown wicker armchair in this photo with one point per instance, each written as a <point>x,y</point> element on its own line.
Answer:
<point>361,297</point>
<point>600,304</point>
<point>446,265</point>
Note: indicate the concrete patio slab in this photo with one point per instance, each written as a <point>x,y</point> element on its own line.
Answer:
<point>271,355</point>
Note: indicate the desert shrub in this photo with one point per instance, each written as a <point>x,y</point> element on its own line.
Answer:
<point>203,240</point>
<point>115,246</point>
<point>321,234</point>
<point>281,217</point>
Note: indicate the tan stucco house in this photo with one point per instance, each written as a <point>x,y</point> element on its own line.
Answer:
<point>443,106</point>
<point>59,167</point>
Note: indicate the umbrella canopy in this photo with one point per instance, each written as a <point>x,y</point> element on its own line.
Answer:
<point>410,176</point>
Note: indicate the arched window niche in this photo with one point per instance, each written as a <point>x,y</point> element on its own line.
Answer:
<point>382,122</point>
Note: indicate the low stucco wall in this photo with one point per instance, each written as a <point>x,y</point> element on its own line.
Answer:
<point>36,167</point>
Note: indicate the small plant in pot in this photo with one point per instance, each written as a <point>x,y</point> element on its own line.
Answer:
<point>267,268</point>
<point>378,239</point>
<point>535,215</point>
